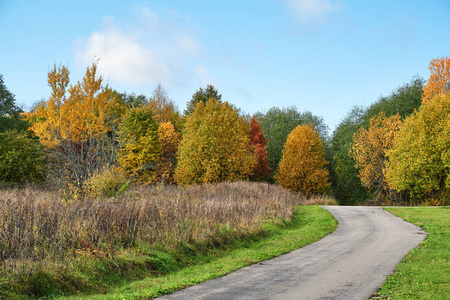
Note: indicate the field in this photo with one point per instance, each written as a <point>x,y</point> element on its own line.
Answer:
<point>50,247</point>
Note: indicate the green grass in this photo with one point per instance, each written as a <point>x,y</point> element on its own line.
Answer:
<point>425,272</point>
<point>309,224</point>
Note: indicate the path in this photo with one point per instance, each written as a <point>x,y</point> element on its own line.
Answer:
<point>350,263</point>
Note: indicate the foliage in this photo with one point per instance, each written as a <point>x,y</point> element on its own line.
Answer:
<point>439,81</point>
<point>419,160</point>
<point>133,100</point>
<point>215,146</point>
<point>168,139</point>
<point>369,152</point>
<point>139,144</point>
<point>277,123</point>
<point>163,108</point>
<point>21,158</point>
<point>77,125</point>
<point>302,165</point>
<point>10,113</point>
<point>104,183</point>
<point>346,185</point>
<point>258,143</point>
<point>202,95</point>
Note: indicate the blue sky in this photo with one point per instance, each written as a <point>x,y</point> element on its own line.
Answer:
<point>320,55</point>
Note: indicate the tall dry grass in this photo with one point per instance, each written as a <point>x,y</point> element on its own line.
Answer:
<point>38,225</point>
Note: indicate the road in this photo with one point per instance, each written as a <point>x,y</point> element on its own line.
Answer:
<point>350,263</point>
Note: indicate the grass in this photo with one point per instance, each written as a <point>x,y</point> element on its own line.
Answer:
<point>425,271</point>
<point>309,224</point>
<point>50,247</point>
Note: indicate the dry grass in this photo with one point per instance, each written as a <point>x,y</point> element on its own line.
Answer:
<point>37,226</point>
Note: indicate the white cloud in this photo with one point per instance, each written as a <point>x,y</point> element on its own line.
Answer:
<point>313,11</point>
<point>149,51</point>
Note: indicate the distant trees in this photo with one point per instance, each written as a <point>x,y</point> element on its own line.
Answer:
<point>215,145</point>
<point>302,164</point>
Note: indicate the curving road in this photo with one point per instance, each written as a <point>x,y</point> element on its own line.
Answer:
<point>350,263</point>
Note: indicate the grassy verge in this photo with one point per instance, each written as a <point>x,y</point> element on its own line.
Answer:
<point>425,272</point>
<point>309,224</point>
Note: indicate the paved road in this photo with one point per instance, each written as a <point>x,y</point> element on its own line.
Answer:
<point>350,263</point>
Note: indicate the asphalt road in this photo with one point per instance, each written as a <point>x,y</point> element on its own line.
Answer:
<point>350,263</point>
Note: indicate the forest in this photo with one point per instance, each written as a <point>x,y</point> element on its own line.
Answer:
<point>130,182</point>
<point>88,140</point>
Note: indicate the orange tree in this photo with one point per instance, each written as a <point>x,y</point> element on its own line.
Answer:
<point>439,81</point>
<point>369,152</point>
<point>76,125</point>
<point>215,145</point>
<point>302,164</point>
<point>168,139</point>
<point>419,161</point>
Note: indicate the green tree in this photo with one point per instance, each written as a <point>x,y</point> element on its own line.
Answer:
<point>202,95</point>
<point>139,144</point>
<point>419,161</point>
<point>277,123</point>
<point>215,146</point>
<point>302,167</point>
<point>22,158</point>
<point>10,113</point>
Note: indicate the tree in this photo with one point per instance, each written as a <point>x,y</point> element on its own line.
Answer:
<point>439,81</point>
<point>258,143</point>
<point>77,125</point>
<point>163,108</point>
<point>168,139</point>
<point>277,123</point>
<point>369,152</point>
<point>139,144</point>
<point>302,165</point>
<point>22,159</point>
<point>202,95</point>
<point>419,159</point>
<point>10,113</point>
<point>215,145</point>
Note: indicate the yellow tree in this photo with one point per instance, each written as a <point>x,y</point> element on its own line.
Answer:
<point>215,145</point>
<point>301,168</point>
<point>75,124</point>
<point>168,139</point>
<point>139,144</point>
<point>163,107</point>
<point>419,161</point>
<point>369,151</point>
<point>439,81</point>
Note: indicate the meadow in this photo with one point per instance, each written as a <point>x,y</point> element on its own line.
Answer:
<point>52,247</point>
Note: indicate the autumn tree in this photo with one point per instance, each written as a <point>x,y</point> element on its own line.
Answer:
<point>258,146</point>
<point>163,107</point>
<point>439,81</point>
<point>139,144</point>
<point>277,123</point>
<point>168,139</point>
<point>369,152</point>
<point>76,124</point>
<point>302,166</point>
<point>215,145</point>
<point>202,95</point>
<point>419,161</point>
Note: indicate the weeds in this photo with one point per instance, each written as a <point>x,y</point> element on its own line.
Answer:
<point>44,238</point>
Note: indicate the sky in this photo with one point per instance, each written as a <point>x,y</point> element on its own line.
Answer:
<point>323,56</point>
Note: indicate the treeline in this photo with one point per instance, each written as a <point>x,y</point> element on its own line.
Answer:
<point>90,140</point>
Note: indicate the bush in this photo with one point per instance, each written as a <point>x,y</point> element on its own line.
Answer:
<point>107,183</point>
